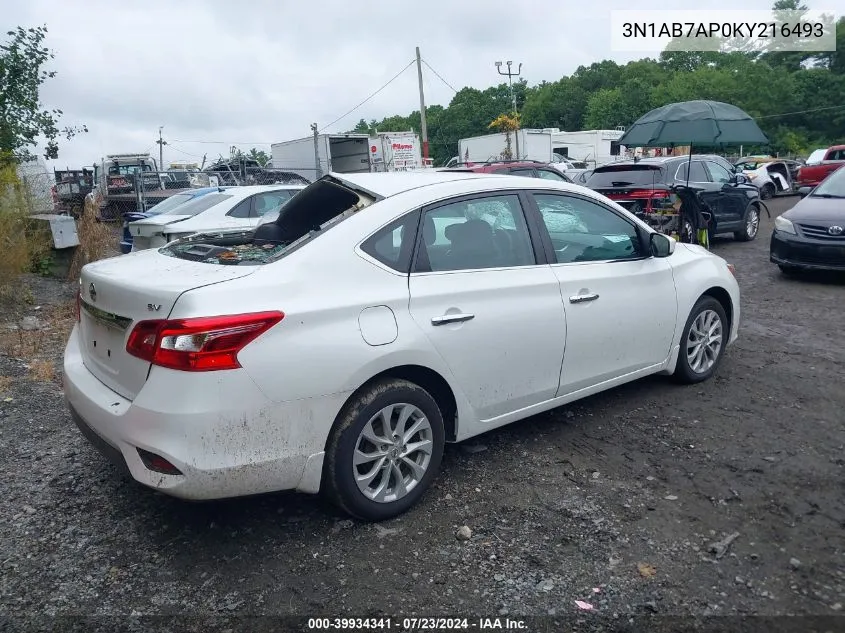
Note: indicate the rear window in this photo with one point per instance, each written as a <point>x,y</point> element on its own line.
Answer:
<point>625,176</point>
<point>197,205</point>
<point>816,157</point>
<point>170,203</point>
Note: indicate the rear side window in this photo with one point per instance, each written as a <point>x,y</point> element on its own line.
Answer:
<point>241,210</point>
<point>697,172</point>
<point>625,176</point>
<point>394,244</point>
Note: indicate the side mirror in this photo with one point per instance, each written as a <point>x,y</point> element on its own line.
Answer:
<point>804,191</point>
<point>740,178</point>
<point>661,245</point>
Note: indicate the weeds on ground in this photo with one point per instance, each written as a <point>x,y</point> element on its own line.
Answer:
<point>24,242</point>
<point>39,348</point>
<point>96,239</point>
<point>5,385</point>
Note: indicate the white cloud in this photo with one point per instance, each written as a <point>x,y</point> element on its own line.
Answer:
<point>254,72</point>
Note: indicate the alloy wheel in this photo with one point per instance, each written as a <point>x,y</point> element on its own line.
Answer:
<point>752,223</point>
<point>704,341</point>
<point>392,453</point>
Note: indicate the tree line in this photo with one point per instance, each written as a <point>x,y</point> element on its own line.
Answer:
<point>796,97</point>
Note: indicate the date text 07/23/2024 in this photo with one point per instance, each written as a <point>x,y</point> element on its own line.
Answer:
<point>414,624</point>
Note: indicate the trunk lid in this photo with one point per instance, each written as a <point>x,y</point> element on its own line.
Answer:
<point>119,292</point>
<point>154,225</point>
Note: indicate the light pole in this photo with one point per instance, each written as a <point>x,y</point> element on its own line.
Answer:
<point>510,75</point>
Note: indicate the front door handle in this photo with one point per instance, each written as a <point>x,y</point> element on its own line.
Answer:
<point>583,298</point>
<point>451,318</point>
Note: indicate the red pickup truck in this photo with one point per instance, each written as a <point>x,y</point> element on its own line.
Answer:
<point>820,164</point>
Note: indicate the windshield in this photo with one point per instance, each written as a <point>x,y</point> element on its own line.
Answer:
<point>832,187</point>
<point>816,157</point>
<point>625,176</point>
<point>197,205</point>
<point>127,170</point>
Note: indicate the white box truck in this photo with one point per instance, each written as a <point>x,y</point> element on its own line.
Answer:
<point>344,153</point>
<point>348,153</point>
<point>526,144</point>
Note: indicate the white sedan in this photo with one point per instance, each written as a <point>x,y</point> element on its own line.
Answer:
<point>230,208</point>
<point>382,315</point>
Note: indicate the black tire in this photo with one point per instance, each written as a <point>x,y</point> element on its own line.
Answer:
<point>767,191</point>
<point>684,373</point>
<point>339,484</point>
<point>746,234</point>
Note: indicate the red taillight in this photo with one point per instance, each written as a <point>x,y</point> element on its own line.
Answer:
<point>648,193</point>
<point>201,344</point>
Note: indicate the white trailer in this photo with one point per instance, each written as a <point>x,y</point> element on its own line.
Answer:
<point>344,153</point>
<point>525,145</point>
<point>594,147</point>
<point>348,153</point>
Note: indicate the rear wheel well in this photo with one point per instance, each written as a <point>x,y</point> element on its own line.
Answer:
<point>429,380</point>
<point>721,295</point>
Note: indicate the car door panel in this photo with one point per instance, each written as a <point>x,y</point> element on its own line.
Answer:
<point>620,305</point>
<point>499,327</point>
<point>620,319</point>
<point>726,199</point>
<point>505,344</point>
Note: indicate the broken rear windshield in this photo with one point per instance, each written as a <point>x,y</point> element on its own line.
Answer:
<point>310,213</point>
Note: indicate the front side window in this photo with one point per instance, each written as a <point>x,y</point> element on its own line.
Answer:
<point>582,230</point>
<point>475,233</point>
<point>270,202</point>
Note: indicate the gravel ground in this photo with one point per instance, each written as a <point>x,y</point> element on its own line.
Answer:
<point>722,498</point>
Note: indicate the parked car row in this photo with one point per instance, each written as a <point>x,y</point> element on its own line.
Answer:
<point>214,209</point>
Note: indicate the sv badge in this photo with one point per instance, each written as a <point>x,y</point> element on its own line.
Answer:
<point>153,307</point>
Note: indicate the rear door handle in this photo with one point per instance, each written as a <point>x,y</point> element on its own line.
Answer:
<point>451,318</point>
<point>583,298</point>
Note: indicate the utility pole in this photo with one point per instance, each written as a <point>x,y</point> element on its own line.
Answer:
<point>161,143</point>
<point>316,132</point>
<point>423,127</point>
<point>510,75</point>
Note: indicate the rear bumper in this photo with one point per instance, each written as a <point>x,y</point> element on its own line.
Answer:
<point>222,433</point>
<point>799,252</point>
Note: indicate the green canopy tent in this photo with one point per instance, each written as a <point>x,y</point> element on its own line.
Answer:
<point>696,124</point>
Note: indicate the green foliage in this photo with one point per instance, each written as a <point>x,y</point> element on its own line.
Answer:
<point>22,117</point>
<point>259,155</point>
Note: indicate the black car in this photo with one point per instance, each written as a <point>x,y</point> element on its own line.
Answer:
<point>644,187</point>
<point>811,235</point>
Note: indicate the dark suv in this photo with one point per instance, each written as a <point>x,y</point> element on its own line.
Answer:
<point>644,187</point>
<point>529,168</point>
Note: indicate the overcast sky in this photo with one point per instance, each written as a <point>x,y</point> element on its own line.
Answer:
<point>254,72</point>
